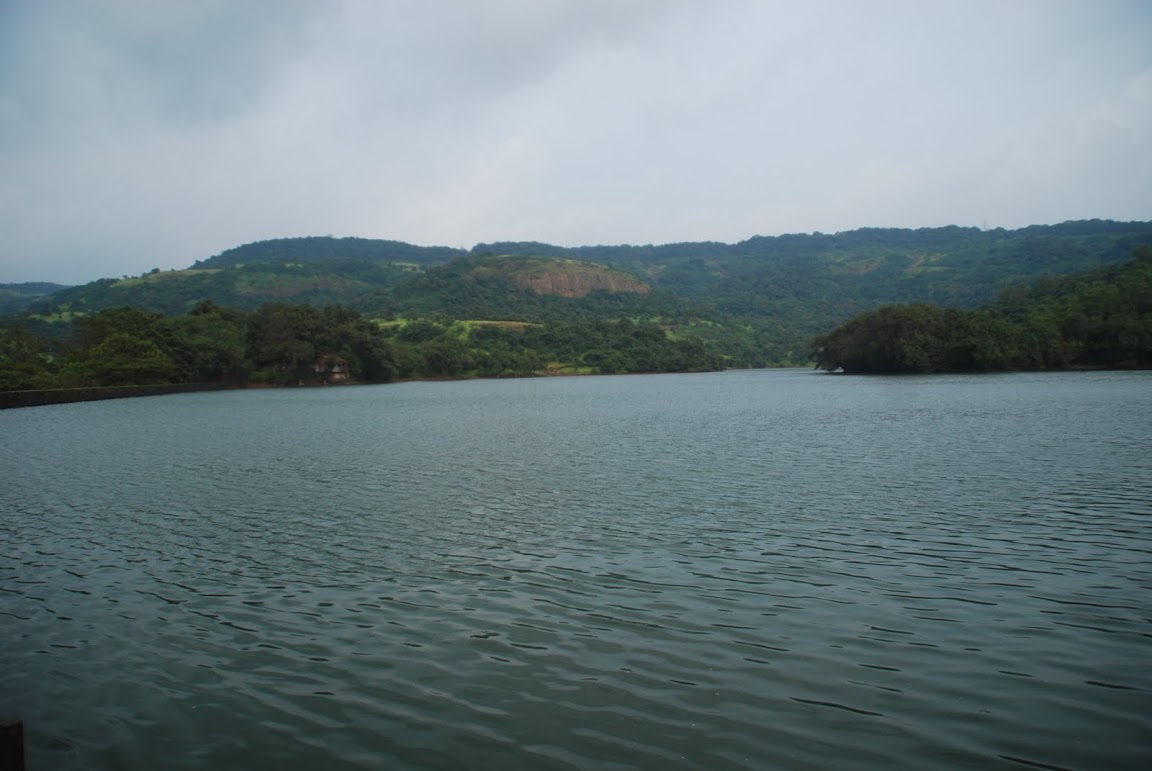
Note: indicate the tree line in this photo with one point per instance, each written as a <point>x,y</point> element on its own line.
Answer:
<point>1098,319</point>
<point>291,344</point>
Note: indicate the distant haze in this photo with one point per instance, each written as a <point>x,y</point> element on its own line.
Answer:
<point>136,135</point>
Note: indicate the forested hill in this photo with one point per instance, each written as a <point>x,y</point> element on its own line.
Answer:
<point>16,297</point>
<point>1098,319</point>
<point>953,252</point>
<point>326,249</point>
<point>863,268</point>
<point>804,244</point>
<point>758,300</point>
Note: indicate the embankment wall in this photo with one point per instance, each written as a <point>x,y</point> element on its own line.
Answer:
<point>10,399</point>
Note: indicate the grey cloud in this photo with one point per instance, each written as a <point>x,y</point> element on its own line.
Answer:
<point>137,135</point>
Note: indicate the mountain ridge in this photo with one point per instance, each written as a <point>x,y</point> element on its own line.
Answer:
<point>779,290</point>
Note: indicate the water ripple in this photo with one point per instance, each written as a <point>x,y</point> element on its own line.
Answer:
<point>742,570</point>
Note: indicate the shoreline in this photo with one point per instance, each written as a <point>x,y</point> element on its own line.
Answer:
<point>47,396</point>
<point>50,396</point>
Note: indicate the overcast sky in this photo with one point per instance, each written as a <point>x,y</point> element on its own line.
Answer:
<point>151,133</point>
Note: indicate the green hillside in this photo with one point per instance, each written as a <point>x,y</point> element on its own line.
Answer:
<point>854,270</point>
<point>1097,319</point>
<point>326,249</point>
<point>758,301</point>
<point>241,286</point>
<point>14,298</point>
<point>530,288</point>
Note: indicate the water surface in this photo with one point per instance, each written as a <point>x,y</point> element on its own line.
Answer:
<point>728,570</point>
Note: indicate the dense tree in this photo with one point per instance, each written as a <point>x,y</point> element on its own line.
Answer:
<point>765,296</point>
<point>25,360</point>
<point>280,343</point>
<point>120,359</point>
<point>207,345</point>
<point>1102,318</point>
<point>289,342</point>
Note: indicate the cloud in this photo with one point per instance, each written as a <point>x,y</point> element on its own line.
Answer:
<point>150,134</point>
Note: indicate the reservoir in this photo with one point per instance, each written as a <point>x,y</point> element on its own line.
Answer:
<point>735,570</point>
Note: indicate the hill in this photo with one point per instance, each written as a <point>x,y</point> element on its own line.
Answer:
<point>758,300</point>
<point>14,298</point>
<point>529,288</point>
<point>1097,319</point>
<point>244,286</point>
<point>326,249</point>
<point>964,267</point>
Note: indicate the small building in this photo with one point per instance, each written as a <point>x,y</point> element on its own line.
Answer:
<point>331,369</point>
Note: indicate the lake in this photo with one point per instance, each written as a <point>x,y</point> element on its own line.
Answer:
<point>747,569</point>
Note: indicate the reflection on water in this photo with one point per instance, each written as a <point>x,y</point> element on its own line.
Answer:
<point>732,570</point>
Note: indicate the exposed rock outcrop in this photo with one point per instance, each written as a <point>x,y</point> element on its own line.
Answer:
<point>570,278</point>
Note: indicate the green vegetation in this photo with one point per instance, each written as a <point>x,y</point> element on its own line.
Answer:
<point>326,250</point>
<point>279,344</point>
<point>1099,319</point>
<point>755,303</point>
<point>244,287</point>
<point>445,348</point>
<point>289,344</point>
<point>498,288</point>
<point>14,298</point>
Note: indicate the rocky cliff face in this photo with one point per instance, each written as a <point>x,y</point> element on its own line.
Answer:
<point>575,279</point>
